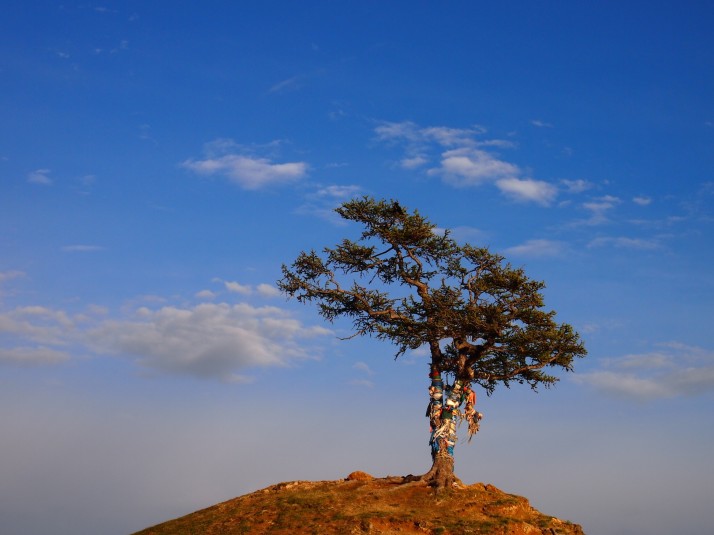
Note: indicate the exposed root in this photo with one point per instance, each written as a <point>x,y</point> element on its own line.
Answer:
<point>440,476</point>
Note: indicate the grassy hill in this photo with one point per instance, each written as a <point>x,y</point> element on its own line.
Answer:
<point>363,504</point>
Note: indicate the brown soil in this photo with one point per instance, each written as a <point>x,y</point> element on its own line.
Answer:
<point>363,504</point>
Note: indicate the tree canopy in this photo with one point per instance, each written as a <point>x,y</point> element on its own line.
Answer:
<point>407,282</point>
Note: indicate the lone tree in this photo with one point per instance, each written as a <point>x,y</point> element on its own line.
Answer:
<point>482,320</point>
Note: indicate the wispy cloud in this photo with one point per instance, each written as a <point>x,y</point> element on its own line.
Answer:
<point>528,190</point>
<point>675,370</point>
<point>363,367</point>
<point>469,167</point>
<point>236,287</point>
<point>337,193</point>
<point>206,295</point>
<point>598,208</point>
<point>248,172</point>
<point>464,159</point>
<point>264,289</point>
<point>267,290</point>
<point>576,186</point>
<point>145,133</point>
<point>217,341</point>
<point>413,162</point>
<point>290,84</point>
<point>642,200</point>
<point>536,248</point>
<point>601,204</point>
<point>323,201</point>
<point>243,167</point>
<point>398,131</point>
<point>408,131</point>
<point>623,242</point>
<point>699,206</point>
<point>39,176</point>
<point>541,124</point>
<point>38,323</point>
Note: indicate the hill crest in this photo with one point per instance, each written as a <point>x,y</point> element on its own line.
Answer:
<point>361,503</point>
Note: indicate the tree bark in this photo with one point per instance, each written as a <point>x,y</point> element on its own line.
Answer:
<point>441,475</point>
<point>441,412</point>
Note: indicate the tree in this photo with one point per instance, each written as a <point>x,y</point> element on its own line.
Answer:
<point>404,282</point>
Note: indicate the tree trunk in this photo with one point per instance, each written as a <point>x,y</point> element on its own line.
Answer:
<point>441,475</point>
<point>442,413</point>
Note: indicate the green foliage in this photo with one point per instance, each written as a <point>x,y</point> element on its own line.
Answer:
<point>404,282</point>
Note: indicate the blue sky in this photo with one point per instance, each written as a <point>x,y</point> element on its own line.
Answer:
<point>160,161</point>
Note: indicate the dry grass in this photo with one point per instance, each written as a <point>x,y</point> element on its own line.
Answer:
<point>368,506</point>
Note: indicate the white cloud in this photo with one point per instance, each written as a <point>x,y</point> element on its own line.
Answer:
<point>251,166</point>
<point>450,137</point>
<point>623,242</point>
<point>290,84</point>
<point>405,130</point>
<point>325,199</point>
<point>416,137</point>
<point>600,204</point>
<point>576,186</point>
<point>466,161</point>
<point>249,172</point>
<point>677,370</point>
<point>692,381</point>
<point>536,248</point>
<point>266,290</point>
<point>626,385</point>
<point>643,361</point>
<point>468,167</point>
<point>235,287</point>
<point>528,190</point>
<point>541,124</point>
<point>363,367</point>
<point>208,340</point>
<point>38,324</point>
<point>337,192</point>
<point>642,200</point>
<point>39,176</point>
<point>413,162</point>
<point>500,143</point>
<point>205,294</point>
<point>598,208</point>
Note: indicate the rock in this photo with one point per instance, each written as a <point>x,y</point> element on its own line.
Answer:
<point>359,476</point>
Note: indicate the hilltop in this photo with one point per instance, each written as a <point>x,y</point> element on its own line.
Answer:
<point>363,504</point>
